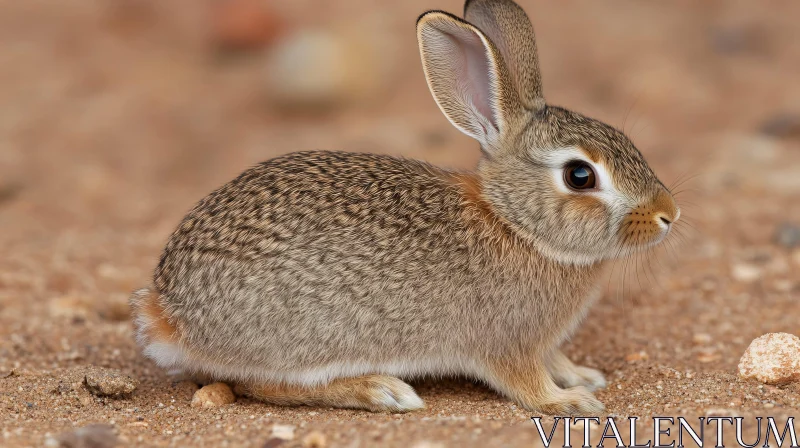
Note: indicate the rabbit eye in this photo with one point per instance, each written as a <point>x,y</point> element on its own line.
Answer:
<point>579,176</point>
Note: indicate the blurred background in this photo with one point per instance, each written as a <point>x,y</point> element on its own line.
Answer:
<point>116,116</point>
<point>124,112</point>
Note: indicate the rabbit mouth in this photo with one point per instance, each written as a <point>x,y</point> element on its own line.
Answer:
<point>646,226</point>
<point>640,237</point>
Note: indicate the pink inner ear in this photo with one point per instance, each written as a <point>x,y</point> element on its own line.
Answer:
<point>473,75</point>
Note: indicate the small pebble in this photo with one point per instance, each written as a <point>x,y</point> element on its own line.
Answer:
<point>104,382</point>
<point>772,359</point>
<point>783,285</point>
<point>243,24</point>
<point>283,432</point>
<point>731,40</point>
<point>92,436</point>
<point>213,395</point>
<point>788,235</point>
<point>314,439</point>
<point>273,442</point>
<point>745,272</point>
<point>321,69</point>
<point>309,69</point>
<point>782,125</point>
<point>721,412</point>
<point>71,307</point>
<point>638,356</point>
<point>427,444</point>
<point>115,309</point>
<point>706,357</point>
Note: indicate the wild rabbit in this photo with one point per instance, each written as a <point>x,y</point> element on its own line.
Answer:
<point>321,278</point>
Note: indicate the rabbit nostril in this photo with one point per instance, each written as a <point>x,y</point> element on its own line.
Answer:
<point>665,220</point>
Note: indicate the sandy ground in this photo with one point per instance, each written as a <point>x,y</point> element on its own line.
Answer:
<point>110,130</point>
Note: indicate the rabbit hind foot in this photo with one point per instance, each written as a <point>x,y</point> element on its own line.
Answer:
<point>376,393</point>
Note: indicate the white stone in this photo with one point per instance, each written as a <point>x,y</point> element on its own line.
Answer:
<point>283,432</point>
<point>745,272</point>
<point>772,359</point>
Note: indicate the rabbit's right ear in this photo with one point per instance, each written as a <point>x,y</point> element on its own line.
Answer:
<point>467,77</point>
<point>510,29</point>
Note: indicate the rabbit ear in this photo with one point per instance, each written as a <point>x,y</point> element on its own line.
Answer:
<point>467,77</point>
<point>509,28</point>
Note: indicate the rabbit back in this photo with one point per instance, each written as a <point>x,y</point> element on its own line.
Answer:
<point>321,264</point>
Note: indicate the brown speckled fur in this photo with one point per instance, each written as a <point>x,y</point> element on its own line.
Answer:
<point>318,277</point>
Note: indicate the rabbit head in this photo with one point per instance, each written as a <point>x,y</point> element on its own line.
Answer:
<point>577,188</point>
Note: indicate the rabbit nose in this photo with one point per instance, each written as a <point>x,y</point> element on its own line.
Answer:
<point>667,212</point>
<point>663,220</point>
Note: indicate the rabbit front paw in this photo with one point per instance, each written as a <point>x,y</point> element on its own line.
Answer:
<point>567,374</point>
<point>591,379</point>
<point>532,383</point>
<point>573,401</point>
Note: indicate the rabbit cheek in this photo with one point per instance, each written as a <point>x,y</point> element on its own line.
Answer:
<point>585,208</point>
<point>585,214</point>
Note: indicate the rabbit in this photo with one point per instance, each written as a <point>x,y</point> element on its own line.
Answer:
<point>328,278</point>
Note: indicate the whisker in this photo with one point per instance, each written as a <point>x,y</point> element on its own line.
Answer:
<point>687,179</point>
<point>656,280</point>
<point>678,193</point>
<point>657,255</point>
<point>679,234</point>
<point>636,267</point>
<point>642,130</point>
<point>682,202</point>
<point>686,176</point>
<point>644,269</point>
<point>627,112</point>
<point>670,248</point>
<point>686,222</point>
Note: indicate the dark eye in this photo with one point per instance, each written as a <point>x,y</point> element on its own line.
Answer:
<point>579,176</point>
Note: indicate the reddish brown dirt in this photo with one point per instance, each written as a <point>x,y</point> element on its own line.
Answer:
<point>115,117</point>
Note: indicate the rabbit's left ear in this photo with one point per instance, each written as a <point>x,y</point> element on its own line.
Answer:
<point>467,78</point>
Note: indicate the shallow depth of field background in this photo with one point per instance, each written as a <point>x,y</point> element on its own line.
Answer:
<point>116,116</point>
